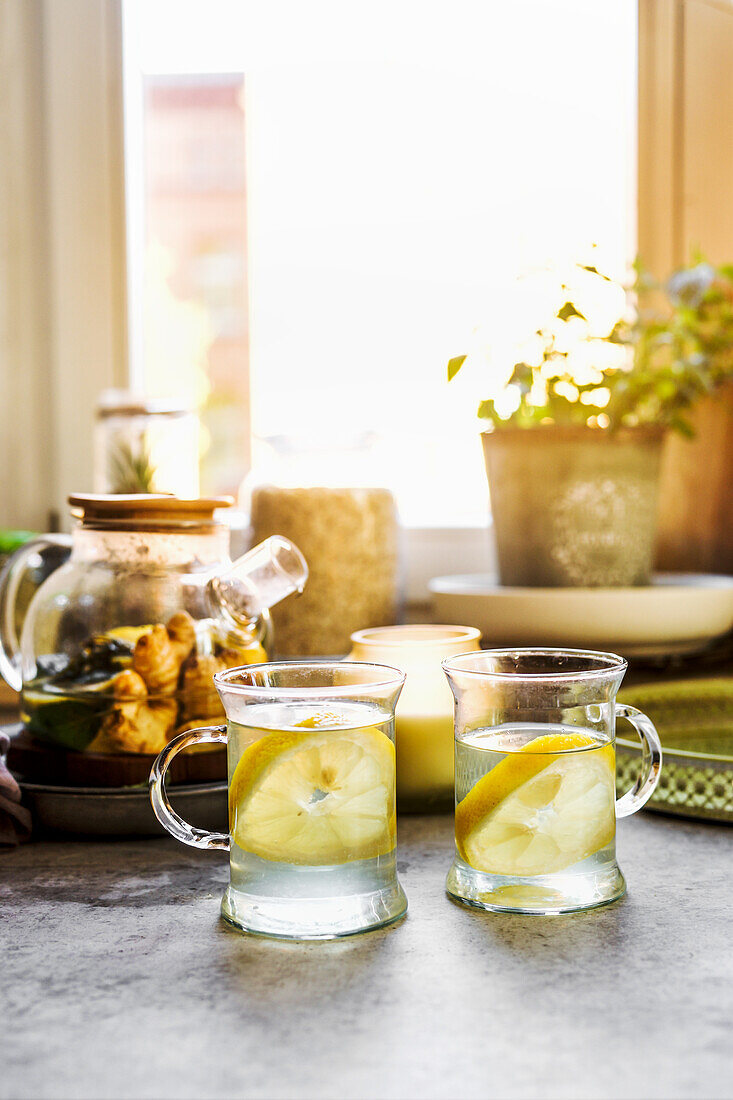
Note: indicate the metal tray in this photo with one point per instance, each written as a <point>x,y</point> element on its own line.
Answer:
<point>691,784</point>
<point>121,812</point>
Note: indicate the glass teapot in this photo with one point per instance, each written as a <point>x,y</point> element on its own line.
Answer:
<point>120,643</point>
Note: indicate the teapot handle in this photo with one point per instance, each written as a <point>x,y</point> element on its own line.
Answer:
<point>11,576</point>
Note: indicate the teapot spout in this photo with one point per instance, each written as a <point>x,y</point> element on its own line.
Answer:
<point>258,580</point>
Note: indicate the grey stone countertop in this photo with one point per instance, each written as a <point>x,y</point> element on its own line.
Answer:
<point>118,979</point>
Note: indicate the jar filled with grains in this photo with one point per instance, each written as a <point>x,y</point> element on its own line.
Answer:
<point>349,534</point>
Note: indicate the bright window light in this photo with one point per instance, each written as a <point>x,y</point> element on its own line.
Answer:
<point>405,163</point>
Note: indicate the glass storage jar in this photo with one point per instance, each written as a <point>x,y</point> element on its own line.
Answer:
<point>120,643</point>
<point>329,501</point>
<point>145,445</point>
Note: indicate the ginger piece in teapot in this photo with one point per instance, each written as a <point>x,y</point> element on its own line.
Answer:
<point>159,654</point>
<point>200,699</point>
<point>135,722</point>
<point>182,631</point>
<point>197,723</point>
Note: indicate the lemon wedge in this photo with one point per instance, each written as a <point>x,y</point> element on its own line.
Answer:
<point>129,634</point>
<point>317,798</point>
<point>252,655</point>
<point>539,810</point>
<point>328,718</point>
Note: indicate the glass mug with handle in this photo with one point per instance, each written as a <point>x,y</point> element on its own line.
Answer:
<point>311,778</point>
<point>535,771</point>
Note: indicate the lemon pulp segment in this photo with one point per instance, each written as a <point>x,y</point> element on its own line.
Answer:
<point>323,718</point>
<point>539,811</point>
<point>318,798</point>
<point>129,634</point>
<point>252,654</point>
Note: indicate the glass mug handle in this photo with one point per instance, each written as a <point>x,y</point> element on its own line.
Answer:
<point>651,761</point>
<point>166,815</point>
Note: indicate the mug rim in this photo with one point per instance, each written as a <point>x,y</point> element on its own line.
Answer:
<point>226,680</point>
<point>607,664</point>
<point>388,635</point>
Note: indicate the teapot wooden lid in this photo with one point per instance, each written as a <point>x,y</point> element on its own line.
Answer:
<point>144,508</point>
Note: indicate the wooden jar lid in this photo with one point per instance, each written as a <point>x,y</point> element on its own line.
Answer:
<point>144,509</point>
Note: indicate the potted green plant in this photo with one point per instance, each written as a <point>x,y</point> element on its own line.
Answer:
<point>574,434</point>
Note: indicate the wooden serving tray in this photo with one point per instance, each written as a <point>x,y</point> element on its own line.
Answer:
<point>37,762</point>
<point>8,698</point>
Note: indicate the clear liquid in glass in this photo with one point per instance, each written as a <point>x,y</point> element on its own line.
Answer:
<point>312,820</point>
<point>535,828</point>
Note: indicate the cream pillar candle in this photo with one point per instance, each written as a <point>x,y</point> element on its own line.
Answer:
<point>424,720</point>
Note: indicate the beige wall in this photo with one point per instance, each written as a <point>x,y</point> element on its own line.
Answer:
<point>26,472</point>
<point>62,246</point>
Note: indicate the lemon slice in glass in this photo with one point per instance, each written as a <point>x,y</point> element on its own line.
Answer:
<point>540,811</point>
<point>314,796</point>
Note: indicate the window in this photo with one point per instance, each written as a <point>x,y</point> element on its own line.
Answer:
<point>328,201</point>
<point>195,320</point>
<point>547,89</point>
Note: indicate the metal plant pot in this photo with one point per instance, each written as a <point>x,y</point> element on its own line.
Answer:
<point>574,506</point>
